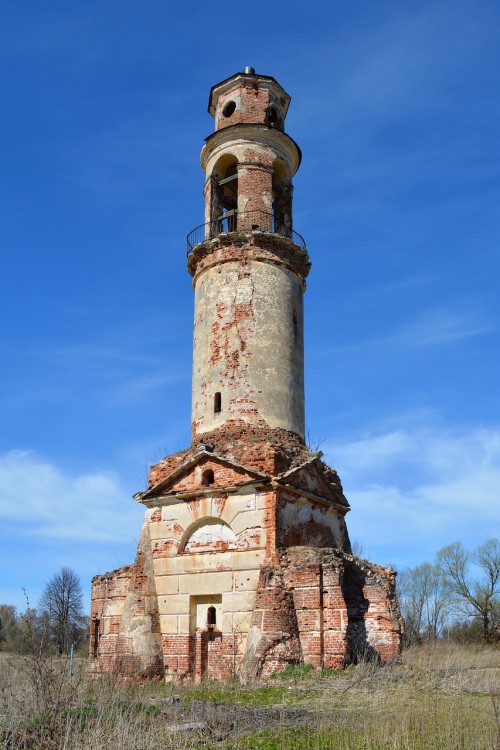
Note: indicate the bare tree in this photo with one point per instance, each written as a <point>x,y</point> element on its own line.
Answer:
<point>61,608</point>
<point>423,602</point>
<point>437,601</point>
<point>7,624</point>
<point>411,602</point>
<point>475,594</point>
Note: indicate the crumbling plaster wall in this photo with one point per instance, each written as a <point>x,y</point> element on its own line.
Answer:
<point>274,606</point>
<point>302,522</point>
<point>248,345</point>
<point>268,558</point>
<point>145,611</point>
<point>125,618</point>
<point>186,572</point>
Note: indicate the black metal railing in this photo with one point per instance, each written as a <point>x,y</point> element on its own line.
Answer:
<point>242,221</point>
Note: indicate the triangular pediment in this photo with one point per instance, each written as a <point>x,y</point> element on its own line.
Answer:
<point>203,471</point>
<point>316,478</point>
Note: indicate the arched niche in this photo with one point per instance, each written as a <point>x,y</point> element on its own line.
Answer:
<point>208,535</point>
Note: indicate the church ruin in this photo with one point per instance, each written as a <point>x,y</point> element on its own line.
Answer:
<point>244,563</point>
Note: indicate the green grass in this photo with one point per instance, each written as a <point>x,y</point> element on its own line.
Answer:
<point>294,671</point>
<point>255,696</point>
<point>438,698</point>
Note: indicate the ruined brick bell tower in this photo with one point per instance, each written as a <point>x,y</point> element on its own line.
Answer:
<point>244,562</point>
<point>249,279</point>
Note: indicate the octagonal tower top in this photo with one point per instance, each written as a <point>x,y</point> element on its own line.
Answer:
<point>248,97</point>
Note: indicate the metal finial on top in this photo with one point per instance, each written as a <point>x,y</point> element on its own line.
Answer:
<point>249,71</point>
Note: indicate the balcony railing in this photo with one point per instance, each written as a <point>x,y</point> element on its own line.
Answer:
<point>242,221</point>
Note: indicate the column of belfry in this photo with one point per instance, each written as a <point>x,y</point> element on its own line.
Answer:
<point>244,562</point>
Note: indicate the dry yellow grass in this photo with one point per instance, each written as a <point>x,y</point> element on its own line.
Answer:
<point>442,697</point>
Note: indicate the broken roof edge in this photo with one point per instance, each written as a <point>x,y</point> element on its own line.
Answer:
<point>342,506</point>
<point>163,483</point>
<point>316,456</point>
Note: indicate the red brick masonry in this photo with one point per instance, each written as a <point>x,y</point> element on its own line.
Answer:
<point>315,603</point>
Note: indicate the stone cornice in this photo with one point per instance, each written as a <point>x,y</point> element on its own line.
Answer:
<point>154,500</point>
<point>311,496</point>
<point>253,133</point>
<point>254,245</point>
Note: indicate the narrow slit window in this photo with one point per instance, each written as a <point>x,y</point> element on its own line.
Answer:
<point>211,618</point>
<point>96,637</point>
<point>217,403</point>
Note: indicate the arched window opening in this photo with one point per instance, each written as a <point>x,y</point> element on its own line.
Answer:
<point>217,403</point>
<point>229,185</point>
<point>273,117</point>
<point>224,195</point>
<point>207,478</point>
<point>211,618</point>
<point>295,324</point>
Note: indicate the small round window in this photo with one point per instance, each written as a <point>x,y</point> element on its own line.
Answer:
<point>228,108</point>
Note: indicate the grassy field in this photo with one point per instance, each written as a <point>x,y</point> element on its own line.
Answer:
<point>442,697</point>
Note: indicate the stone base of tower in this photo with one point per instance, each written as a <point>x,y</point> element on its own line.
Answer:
<point>243,567</point>
<point>313,606</point>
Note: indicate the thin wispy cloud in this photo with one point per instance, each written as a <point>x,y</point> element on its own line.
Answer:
<point>439,326</point>
<point>413,491</point>
<point>115,375</point>
<point>41,499</point>
<point>396,66</point>
<point>140,388</point>
<point>400,129</point>
<point>442,326</point>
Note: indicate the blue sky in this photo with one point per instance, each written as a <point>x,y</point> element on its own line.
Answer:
<point>103,114</point>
